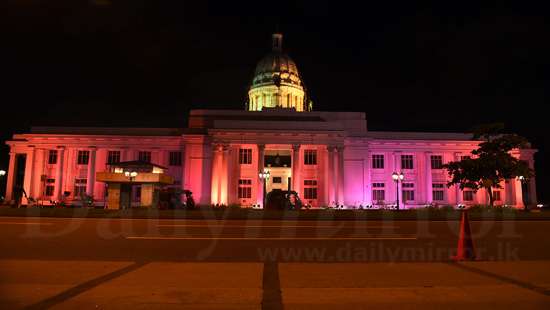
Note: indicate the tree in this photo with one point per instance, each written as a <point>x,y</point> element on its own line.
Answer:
<point>491,163</point>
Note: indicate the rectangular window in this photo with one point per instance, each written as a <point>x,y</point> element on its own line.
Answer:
<point>310,189</point>
<point>438,192</point>
<point>437,161</point>
<point>50,187</point>
<point>496,195</point>
<point>408,192</point>
<point>378,193</point>
<point>277,180</point>
<point>377,161</point>
<point>465,157</point>
<point>113,157</point>
<point>408,195</point>
<point>468,195</point>
<point>310,157</point>
<point>407,162</point>
<point>144,156</point>
<point>245,189</point>
<point>79,187</point>
<point>245,156</point>
<point>52,157</point>
<point>175,158</point>
<point>83,157</point>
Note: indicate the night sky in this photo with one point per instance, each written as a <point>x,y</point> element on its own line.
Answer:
<point>441,67</point>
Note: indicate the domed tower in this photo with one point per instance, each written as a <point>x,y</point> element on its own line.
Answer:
<point>277,83</point>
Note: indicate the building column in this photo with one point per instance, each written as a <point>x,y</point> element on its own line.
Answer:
<point>224,180</point>
<point>11,176</point>
<point>340,180</point>
<point>325,179</point>
<point>184,162</point>
<point>100,165</point>
<point>68,166</point>
<point>59,173</point>
<point>260,187</point>
<point>29,172</point>
<point>216,173</point>
<point>39,178</point>
<point>296,169</point>
<point>331,180</point>
<point>429,181</point>
<point>233,174</point>
<point>517,192</point>
<point>90,179</point>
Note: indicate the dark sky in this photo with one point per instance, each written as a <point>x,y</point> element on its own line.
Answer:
<point>435,67</point>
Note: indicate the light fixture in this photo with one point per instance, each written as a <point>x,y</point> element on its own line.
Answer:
<point>397,177</point>
<point>130,174</point>
<point>264,174</point>
<point>2,173</point>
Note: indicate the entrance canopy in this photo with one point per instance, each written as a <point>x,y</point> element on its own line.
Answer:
<point>135,172</point>
<point>122,176</point>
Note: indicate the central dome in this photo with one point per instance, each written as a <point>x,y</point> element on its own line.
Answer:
<point>276,67</point>
<point>276,82</point>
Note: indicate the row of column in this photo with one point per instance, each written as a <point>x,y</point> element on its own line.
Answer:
<point>35,170</point>
<point>221,165</point>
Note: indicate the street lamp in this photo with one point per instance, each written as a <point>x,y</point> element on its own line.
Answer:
<point>523,181</point>
<point>2,173</point>
<point>397,177</point>
<point>264,175</point>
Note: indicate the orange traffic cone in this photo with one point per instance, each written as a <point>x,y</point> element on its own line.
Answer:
<point>465,248</point>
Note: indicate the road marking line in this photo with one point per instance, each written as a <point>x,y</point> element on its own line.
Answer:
<point>503,278</point>
<point>273,226</point>
<point>271,285</point>
<point>24,223</point>
<point>84,287</point>
<point>267,238</point>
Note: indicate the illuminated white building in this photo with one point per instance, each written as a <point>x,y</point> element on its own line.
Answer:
<point>328,158</point>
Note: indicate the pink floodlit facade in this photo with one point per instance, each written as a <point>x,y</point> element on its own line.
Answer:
<point>328,158</point>
<point>332,159</point>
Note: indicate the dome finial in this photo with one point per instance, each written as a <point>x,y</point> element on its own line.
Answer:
<point>277,42</point>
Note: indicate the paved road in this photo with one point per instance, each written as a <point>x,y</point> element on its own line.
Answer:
<point>252,241</point>
<point>123,263</point>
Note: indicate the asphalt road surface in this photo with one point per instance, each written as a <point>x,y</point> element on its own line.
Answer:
<point>239,264</point>
<point>253,241</point>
